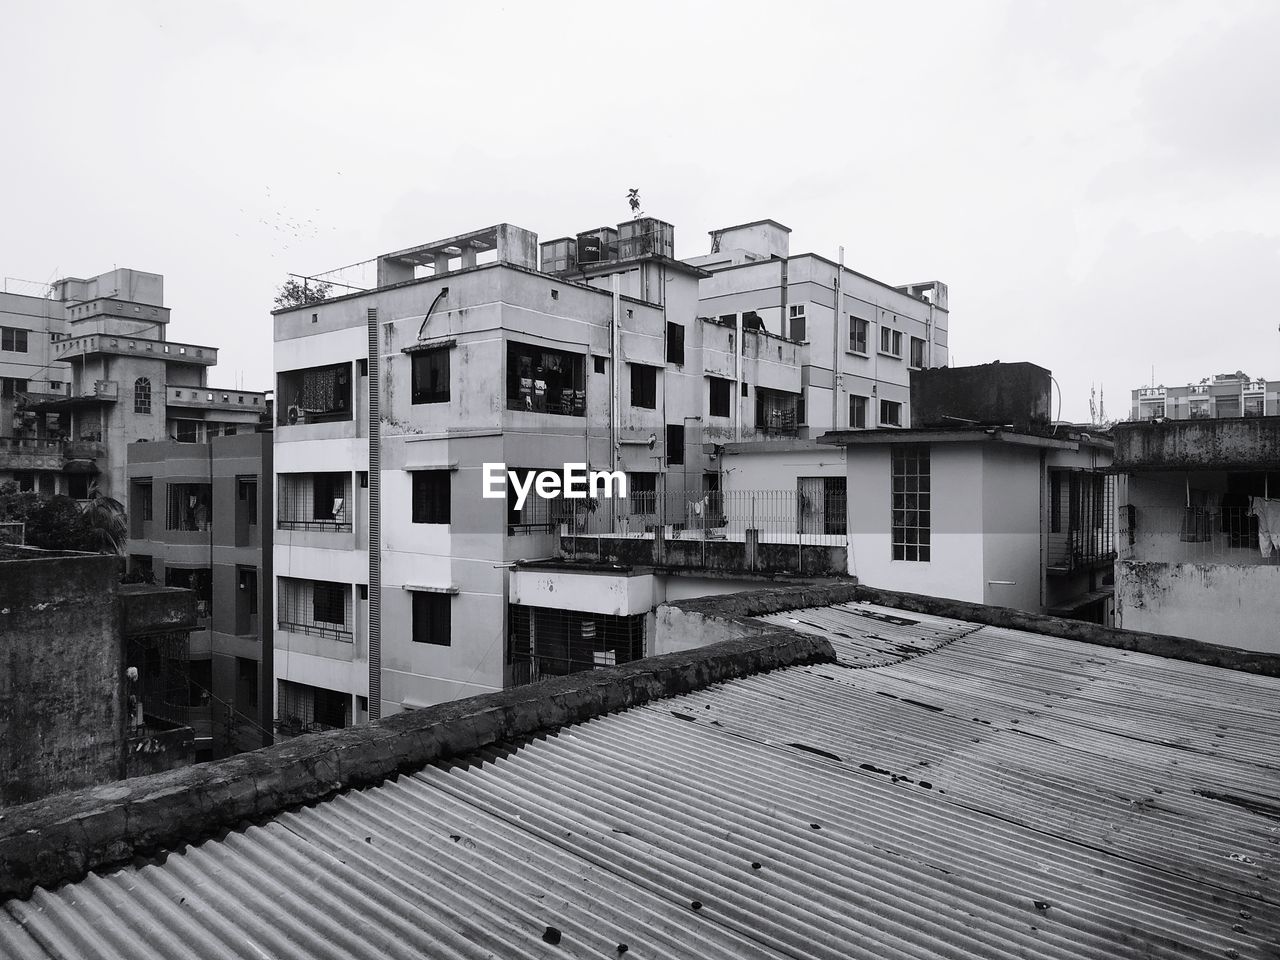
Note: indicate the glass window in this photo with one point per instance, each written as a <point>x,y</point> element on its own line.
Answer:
<point>857,334</point>
<point>721,390</point>
<point>644,386</point>
<point>917,353</point>
<point>858,412</point>
<point>431,618</point>
<point>910,504</point>
<point>890,413</point>
<point>430,496</point>
<point>544,380</point>
<point>142,395</point>
<point>675,444</point>
<point>431,376</point>
<point>675,343</point>
<point>796,321</point>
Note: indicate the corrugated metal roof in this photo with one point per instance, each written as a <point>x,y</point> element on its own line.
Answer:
<point>946,790</point>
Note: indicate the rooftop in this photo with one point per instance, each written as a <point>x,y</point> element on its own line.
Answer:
<point>848,779</point>
<point>1240,443</point>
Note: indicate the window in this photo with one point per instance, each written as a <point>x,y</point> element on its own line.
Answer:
<point>917,353</point>
<point>544,642</point>
<point>642,490</point>
<point>431,615</point>
<point>744,388</point>
<point>890,413</point>
<point>857,413</point>
<point>26,480</point>
<point>721,390</point>
<point>1253,406</point>
<point>777,413</point>
<point>247,493</point>
<point>857,334</point>
<point>910,505</point>
<point>675,343</point>
<point>890,341</point>
<point>247,582</point>
<point>431,375</point>
<point>13,338</point>
<point>544,380</point>
<point>675,444</point>
<point>327,603</point>
<point>795,321</point>
<point>145,501</point>
<point>329,496</point>
<point>314,395</point>
<point>78,486</point>
<point>644,386</point>
<point>189,506</point>
<point>246,684</point>
<point>142,395</point>
<point>315,501</point>
<point>430,496</point>
<point>599,364</point>
<point>12,386</point>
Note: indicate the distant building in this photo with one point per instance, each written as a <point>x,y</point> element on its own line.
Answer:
<point>70,715</point>
<point>1199,534</point>
<point>983,499</point>
<point>200,518</point>
<point>87,369</point>
<point>1225,396</point>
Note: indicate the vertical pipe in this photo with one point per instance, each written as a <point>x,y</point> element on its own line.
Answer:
<point>375,521</point>
<point>835,345</point>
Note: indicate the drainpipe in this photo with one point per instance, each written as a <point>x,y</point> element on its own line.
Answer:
<point>737,378</point>
<point>835,347</point>
<point>375,523</point>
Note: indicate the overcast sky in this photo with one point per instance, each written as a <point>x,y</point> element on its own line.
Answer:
<point>1098,183</point>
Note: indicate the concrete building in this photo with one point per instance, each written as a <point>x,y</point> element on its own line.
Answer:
<point>982,499</point>
<point>70,714</point>
<point>1224,396</point>
<point>1199,534</point>
<point>610,352</point>
<point>101,373</point>
<point>850,775</point>
<point>199,518</point>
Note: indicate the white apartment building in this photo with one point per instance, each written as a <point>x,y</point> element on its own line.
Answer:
<point>394,572</point>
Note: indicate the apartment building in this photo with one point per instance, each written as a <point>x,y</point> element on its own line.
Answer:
<point>199,518</point>
<point>394,572</point>
<point>100,373</point>
<point>1222,397</point>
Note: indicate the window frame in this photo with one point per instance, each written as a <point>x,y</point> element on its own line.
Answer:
<point>431,613</point>
<point>11,336</point>
<point>727,405</point>
<point>912,362</point>
<point>428,506</point>
<point>641,393</point>
<point>674,445</point>
<point>895,340</point>
<point>419,362</point>
<point>885,404</point>
<point>857,404</point>
<point>675,343</point>
<point>142,395</point>
<point>910,503</point>
<point>856,325</point>
<point>797,311</point>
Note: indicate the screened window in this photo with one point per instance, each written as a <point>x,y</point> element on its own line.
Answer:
<point>721,391</point>
<point>675,343</point>
<point>675,444</point>
<point>142,395</point>
<point>911,502</point>
<point>857,335</point>
<point>857,413</point>
<point>431,618</point>
<point>644,386</point>
<point>431,376</point>
<point>431,496</point>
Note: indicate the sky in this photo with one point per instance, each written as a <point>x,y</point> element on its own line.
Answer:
<point>1097,182</point>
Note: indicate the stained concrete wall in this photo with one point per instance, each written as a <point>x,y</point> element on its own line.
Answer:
<point>61,723</point>
<point>1236,606</point>
<point>1250,443</point>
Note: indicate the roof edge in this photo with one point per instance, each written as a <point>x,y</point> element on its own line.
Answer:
<point>59,839</point>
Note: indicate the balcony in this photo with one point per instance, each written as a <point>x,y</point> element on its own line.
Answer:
<point>1197,535</point>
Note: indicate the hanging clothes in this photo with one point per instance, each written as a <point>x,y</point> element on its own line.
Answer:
<point>1268,514</point>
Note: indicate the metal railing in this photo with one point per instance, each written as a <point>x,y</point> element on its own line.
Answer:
<point>771,516</point>
<point>1197,534</point>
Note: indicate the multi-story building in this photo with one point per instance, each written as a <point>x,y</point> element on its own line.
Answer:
<point>101,374</point>
<point>393,569</point>
<point>1199,530</point>
<point>1222,397</point>
<point>199,518</point>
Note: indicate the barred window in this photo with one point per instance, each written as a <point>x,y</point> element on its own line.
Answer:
<point>315,501</point>
<point>317,607</point>
<point>190,506</point>
<point>142,395</point>
<point>544,642</point>
<point>911,502</point>
<point>431,496</point>
<point>301,708</point>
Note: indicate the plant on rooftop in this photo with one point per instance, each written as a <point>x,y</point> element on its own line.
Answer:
<point>300,293</point>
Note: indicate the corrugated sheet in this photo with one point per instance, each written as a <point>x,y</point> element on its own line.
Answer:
<point>979,792</point>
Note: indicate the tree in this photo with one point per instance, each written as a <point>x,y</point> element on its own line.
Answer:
<point>106,523</point>
<point>59,523</point>
<point>301,293</point>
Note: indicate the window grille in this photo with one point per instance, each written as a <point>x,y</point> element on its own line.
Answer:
<point>142,395</point>
<point>547,642</point>
<point>317,607</point>
<point>911,502</point>
<point>538,515</point>
<point>778,413</point>
<point>301,708</point>
<point>315,501</point>
<point>189,506</point>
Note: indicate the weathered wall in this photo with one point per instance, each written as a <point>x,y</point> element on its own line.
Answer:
<point>1251,443</point>
<point>1237,606</point>
<point>1003,393</point>
<point>60,684</point>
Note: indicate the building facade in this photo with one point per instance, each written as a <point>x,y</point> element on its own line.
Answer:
<point>1199,533</point>
<point>1222,397</point>
<point>199,518</point>
<point>90,369</point>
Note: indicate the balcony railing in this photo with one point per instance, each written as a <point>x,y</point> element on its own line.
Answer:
<point>1197,534</point>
